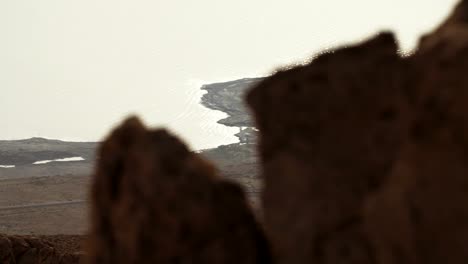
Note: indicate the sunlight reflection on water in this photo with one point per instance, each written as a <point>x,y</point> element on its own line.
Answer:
<point>58,160</point>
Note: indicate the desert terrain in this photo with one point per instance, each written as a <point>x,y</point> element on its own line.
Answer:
<point>50,198</point>
<point>362,154</point>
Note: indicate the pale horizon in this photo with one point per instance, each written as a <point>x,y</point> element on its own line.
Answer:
<point>72,70</point>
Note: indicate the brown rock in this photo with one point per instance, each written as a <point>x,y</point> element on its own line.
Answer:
<point>329,133</point>
<point>451,35</point>
<point>64,244</point>
<point>421,214</point>
<point>6,251</point>
<point>31,256</point>
<point>36,250</point>
<point>71,258</point>
<point>156,202</point>
<point>20,246</point>
<point>364,153</point>
<point>364,157</point>
<point>48,255</point>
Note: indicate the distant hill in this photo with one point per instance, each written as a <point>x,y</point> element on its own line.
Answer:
<point>237,161</point>
<point>28,151</point>
<point>228,97</point>
<point>38,185</point>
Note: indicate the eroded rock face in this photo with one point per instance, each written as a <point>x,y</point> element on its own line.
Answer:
<point>365,162</point>
<point>156,202</point>
<point>37,250</point>
<point>364,157</point>
<point>329,133</point>
<point>421,214</point>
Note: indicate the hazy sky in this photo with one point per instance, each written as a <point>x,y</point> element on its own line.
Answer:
<point>72,69</point>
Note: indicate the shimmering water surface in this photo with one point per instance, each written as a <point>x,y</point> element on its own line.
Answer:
<point>72,70</point>
<point>59,160</point>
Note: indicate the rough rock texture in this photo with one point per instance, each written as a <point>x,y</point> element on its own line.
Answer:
<point>421,214</point>
<point>40,250</point>
<point>338,131</point>
<point>156,202</point>
<point>366,162</point>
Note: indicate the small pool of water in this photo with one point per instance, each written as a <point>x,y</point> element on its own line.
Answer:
<point>59,160</point>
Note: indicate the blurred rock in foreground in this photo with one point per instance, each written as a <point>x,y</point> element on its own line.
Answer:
<point>154,201</point>
<point>41,249</point>
<point>339,129</point>
<point>366,160</point>
<point>364,154</point>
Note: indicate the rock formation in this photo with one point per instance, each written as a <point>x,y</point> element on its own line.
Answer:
<point>366,161</point>
<point>40,250</point>
<point>421,214</point>
<point>364,155</point>
<point>154,201</point>
<point>340,126</point>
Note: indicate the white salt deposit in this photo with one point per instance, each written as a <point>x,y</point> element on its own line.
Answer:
<point>7,166</point>
<point>59,160</point>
